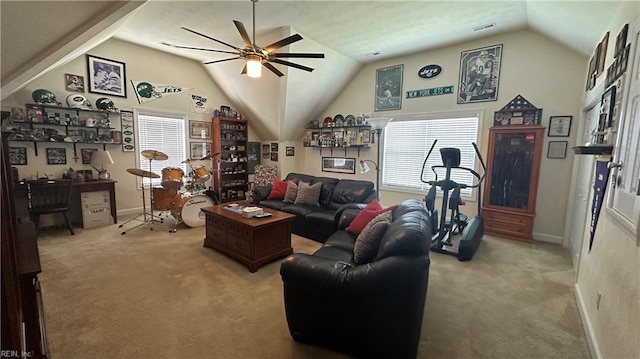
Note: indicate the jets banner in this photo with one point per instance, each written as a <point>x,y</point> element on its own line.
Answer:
<point>148,91</point>
<point>199,103</point>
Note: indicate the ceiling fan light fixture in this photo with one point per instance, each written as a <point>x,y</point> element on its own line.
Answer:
<point>254,66</point>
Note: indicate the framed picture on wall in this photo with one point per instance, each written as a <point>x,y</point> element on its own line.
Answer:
<point>74,83</point>
<point>200,130</point>
<point>86,154</point>
<point>18,156</point>
<point>557,149</point>
<point>339,165</point>
<point>106,76</point>
<point>559,126</point>
<point>199,150</point>
<point>56,156</point>
<point>388,88</point>
<point>480,74</point>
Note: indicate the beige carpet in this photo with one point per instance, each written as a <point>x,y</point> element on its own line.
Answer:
<point>154,294</point>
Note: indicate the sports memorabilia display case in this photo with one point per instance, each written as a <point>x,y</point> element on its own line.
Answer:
<point>230,158</point>
<point>511,186</point>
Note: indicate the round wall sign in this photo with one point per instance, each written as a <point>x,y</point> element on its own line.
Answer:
<point>429,71</point>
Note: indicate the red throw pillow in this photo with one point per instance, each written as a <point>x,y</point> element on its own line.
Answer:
<point>279,189</point>
<point>365,216</point>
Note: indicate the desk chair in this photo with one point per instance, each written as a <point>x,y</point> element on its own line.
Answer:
<point>49,196</point>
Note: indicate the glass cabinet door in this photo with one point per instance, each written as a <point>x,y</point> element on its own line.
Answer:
<point>511,173</point>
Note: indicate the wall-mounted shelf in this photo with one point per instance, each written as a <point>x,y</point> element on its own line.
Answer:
<point>338,138</point>
<point>80,127</point>
<point>598,150</point>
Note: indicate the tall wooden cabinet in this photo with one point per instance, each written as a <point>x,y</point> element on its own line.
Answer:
<point>511,185</point>
<point>230,166</point>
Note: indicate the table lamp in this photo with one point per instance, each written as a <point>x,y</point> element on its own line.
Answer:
<point>101,158</point>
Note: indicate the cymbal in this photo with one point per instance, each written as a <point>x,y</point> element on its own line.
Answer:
<point>142,173</point>
<point>154,155</point>
<point>208,157</point>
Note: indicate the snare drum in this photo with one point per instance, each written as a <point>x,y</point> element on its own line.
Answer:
<point>172,177</point>
<point>162,198</point>
<point>201,174</point>
<point>186,208</point>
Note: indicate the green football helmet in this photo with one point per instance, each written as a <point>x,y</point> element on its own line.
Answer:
<point>146,90</point>
<point>45,97</point>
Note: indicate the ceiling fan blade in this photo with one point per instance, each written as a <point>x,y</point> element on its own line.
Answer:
<point>284,42</point>
<point>209,37</point>
<point>287,63</point>
<point>198,48</point>
<point>273,69</point>
<point>243,33</point>
<point>298,55</point>
<point>244,69</point>
<point>214,61</point>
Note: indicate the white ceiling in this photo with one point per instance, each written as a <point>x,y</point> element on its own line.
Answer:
<point>359,28</point>
<point>349,31</point>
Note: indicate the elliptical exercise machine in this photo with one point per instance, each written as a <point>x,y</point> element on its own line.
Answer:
<point>443,230</point>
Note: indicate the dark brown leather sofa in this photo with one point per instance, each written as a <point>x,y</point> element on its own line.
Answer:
<point>318,223</point>
<point>371,310</point>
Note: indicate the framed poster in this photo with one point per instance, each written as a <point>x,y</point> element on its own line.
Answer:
<point>253,156</point>
<point>74,83</point>
<point>480,74</point>
<point>290,151</point>
<point>274,156</point>
<point>388,88</point>
<point>86,154</point>
<point>339,164</point>
<point>559,126</point>
<point>557,149</point>
<point>106,76</point>
<point>200,130</point>
<point>199,150</point>
<point>56,156</point>
<point>265,148</point>
<point>274,147</point>
<point>18,156</point>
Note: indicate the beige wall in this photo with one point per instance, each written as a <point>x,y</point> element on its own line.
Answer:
<point>142,64</point>
<point>611,270</point>
<point>543,71</point>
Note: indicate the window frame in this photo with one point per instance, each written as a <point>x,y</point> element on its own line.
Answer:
<point>427,116</point>
<point>142,162</point>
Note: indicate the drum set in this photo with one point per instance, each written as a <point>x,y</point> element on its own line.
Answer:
<point>183,196</point>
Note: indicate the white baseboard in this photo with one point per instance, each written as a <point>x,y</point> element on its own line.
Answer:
<point>548,238</point>
<point>594,349</point>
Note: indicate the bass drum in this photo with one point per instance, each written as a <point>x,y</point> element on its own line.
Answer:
<point>186,208</point>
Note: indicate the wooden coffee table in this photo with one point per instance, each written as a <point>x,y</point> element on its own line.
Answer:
<point>250,241</point>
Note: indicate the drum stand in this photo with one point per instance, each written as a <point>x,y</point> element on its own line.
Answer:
<point>147,218</point>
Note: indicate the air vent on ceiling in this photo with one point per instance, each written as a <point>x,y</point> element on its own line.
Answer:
<point>484,27</point>
<point>371,54</point>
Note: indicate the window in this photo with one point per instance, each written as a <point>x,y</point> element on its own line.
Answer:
<point>164,133</point>
<point>408,140</point>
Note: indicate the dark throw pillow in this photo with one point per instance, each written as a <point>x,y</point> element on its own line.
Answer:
<point>292,192</point>
<point>366,246</point>
<point>308,194</point>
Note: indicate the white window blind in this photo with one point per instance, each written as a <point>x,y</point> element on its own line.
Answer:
<point>406,144</point>
<point>165,134</point>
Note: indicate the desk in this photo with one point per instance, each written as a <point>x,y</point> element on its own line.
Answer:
<point>77,187</point>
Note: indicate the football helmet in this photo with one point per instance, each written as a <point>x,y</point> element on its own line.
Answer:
<point>45,97</point>
<point>146,90</point>
<point>105,104</point>
<point>78,101</point>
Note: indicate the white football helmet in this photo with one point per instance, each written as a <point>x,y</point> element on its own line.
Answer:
<point>78,101</point>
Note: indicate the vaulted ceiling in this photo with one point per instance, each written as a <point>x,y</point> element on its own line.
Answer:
<point>350,33</point>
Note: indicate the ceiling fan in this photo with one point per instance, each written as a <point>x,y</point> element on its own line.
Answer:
<point>254,55</point>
